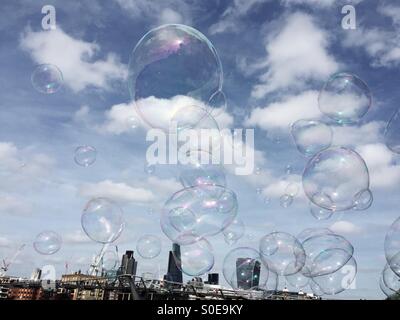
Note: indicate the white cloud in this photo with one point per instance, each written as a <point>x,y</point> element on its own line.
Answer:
<point>379,159</point>
<point>163,186</point>
<point>116,191</point>
<point>82,114</point>
<point>296,53</point>
<point>74,57</point>
<point>345,227</point>
<point>391,11</point>
<point>4,242</point>
<point>14,205</point>
<point>280,115</point>
<point>76,237</point>
<point>358,135</point>
<point>159,12</point>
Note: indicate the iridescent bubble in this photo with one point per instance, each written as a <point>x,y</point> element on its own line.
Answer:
<point>196,259</point>
<point>345,98</point>
<point>47,242</point>
<point>85,155</point>
<point>292,189</point>
<point>286,201</point>
<point>315,288</point>
<point>171,67</point>
<point>392,133</point>
<point>326,253</point>
<point>340,280</point>
<point>47,78</point>
<point>333,177</point>
<point>197,212</point>
<point>148,246</point>
<point>363,200</point>
<point>392,241</point>
<point>200,171</point>
<point>394,263</point>
<point>234,231</point>
<point>244,269</point>
<point>387,291</point>
<point>282,252</point>
<point>102,220</point>
<point>320,213</point>
<point>311,136</point>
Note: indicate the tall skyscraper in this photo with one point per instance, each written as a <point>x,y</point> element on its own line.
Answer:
<point>174,273</point>
<point>128,264</point>
<point>247,273</point>
<point>213,278</point>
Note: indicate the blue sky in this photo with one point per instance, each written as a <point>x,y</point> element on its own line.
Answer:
<point>269,83</point>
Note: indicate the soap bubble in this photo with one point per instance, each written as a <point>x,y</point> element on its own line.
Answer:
<point>333,177</point>
<point>200,171</point>
<point>312,232</point>
<point>47,78</point>
<point>196,212</point>
<point>315,288</point>
<point>292,189</point>
<point>311,136</point>
<point>339,281</point>
<point>171,67</point>
<point>345,98</point>
<point>286,201</point>
<point>110,260</point>
<point>326,253</point>
<point>392,133</point>
<point>394,264</point>
<point>320,213</point>
<point>234,231</point>
<point>102,220</point>
<point>363,200</point>
<point>85,155</point>
<point>244,269</point>
<point>148,246</point>
<point>196,259</point>
<point>47,242</point>
<point>297,280</point>
<point>392,241</point>
<point>282,252</point>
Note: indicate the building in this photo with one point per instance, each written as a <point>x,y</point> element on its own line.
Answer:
<point>80,286</point>
<point>213,279</point>
<point>29,292</point>
<point>247,273</point>
<point>174,272</point>
<point>128,264</point>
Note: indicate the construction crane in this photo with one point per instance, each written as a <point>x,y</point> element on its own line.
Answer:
<point>7,264</point>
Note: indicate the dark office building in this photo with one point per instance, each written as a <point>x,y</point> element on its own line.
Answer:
<point>247,273</point>
<point>213,278</point>
<point>174,273</point>
<point>128,264</point>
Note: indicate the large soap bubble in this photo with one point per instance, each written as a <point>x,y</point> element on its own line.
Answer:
<point>325,254</point>
<point>47,78</point>
<point>392,133</point>
<point>171,67</point>
<point>312,232</point>
<point>47,242</point>
<point>363,200</point>
<point>234,231</point>
<point>320,213</point>
<point>148,246</point>
<point>333,178</point>
<point>297,280</point>
<point>282,252</point>
<point>197,212</point>
<point>196,259</point>
<point>244,269</point>
<point>391,279</point>
<point>340,280</point>
<point>345,98</point>
<point>102,220</point>
<point>311,136</point>
<point>387,291</point>
<point>110,260</point>
<point>392,241</point>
